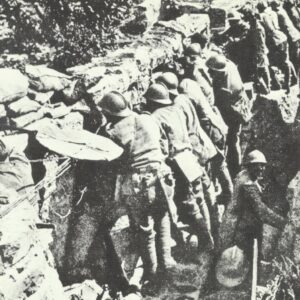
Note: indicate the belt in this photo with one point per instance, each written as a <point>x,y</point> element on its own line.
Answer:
<point>152,168</point>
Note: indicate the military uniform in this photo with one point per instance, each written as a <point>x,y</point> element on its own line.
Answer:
<point>246,214</point>
<point>189,198</point>
<point>287,27</point>
<point>212,123</point>
<point>260,60</point>
<point>228,89</point>
<point>143,182</point>
<point>200,75</point>
<point>277,44</point>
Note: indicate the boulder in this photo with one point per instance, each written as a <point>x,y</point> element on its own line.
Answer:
<point>22,106</point>
<point>44,79</point>
<point>13,85</point>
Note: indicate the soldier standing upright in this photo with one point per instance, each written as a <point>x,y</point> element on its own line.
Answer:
<point>228,90</point>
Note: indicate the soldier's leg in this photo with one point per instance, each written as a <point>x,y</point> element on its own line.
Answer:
<point>143,224</point>
<point>234,155</point>
<point>147,247</point>
<point>221,172</point>
<point>163,239</point>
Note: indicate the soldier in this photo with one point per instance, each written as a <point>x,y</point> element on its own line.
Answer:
<point>277,44</point>
<point>235,42</point>
<point>244,219</point>
<point>144,181</point>
<point>202,145</point>
<point>177,147</point>
<point>228,90</point>
<point>195,69</point>
<point>293,12</point>
<point>257,44</point>
<point>292,33</point>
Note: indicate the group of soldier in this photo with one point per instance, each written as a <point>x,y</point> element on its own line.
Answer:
<point>182,155</point>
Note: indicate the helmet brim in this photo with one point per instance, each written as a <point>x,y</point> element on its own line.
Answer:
<point>161,101</point>
<point>123,113</point>
<point>215,69</point>
<point>174,92</point>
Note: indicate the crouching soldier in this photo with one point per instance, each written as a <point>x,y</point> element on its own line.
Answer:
<point>144,182</point>
<point>244,220</point>
<point>187,171</point>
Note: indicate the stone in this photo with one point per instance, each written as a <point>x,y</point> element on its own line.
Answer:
<point>44,79</point>
<point>13,85</point>
<point>22,107</point>
<point>28,118</point>
<point>41,98</point>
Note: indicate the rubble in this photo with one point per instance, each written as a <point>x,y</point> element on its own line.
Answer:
<point>27,269</point>
<point>275,118</point>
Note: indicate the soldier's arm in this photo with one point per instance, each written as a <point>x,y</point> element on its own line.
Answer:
<point>264,213</point>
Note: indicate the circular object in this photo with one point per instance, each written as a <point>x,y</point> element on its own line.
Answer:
<point>233,15</point>
<point>255,157</point>
<point>217,62</point>
<point>158,93</point>
<point>170,80</point>
<point>115,104</point>
<point>232,267</point>
<point>193,49</point>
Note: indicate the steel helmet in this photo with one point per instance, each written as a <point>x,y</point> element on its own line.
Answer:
<point>193,49</point>
<point>255,157</point>
<point>262,5</point>
<point>170,80</point>
<point>115,104</point>
<point>274,3</point>
<point>158,93</point>
<point>234,15</point>
<point>232,267</point>
<point>217,62</point>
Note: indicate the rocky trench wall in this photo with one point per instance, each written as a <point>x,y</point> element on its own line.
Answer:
<point>128,70</point>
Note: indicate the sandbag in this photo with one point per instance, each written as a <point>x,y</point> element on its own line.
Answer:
<point>13,85</point>
<point>44,79</point>
<point>22,107</point>
<point>27,119</point>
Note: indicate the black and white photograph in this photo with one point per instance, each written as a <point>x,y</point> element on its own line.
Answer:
<point>149,149</point>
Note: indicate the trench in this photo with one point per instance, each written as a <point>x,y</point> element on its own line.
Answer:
<point>273,129</point>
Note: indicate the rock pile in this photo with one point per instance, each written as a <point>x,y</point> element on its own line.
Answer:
<point>26,264</point>
<point>25,99</point>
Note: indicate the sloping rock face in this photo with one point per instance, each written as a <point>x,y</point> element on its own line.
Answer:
<point>289,243</point>
<point>272,130</point>
<point>26,264</point>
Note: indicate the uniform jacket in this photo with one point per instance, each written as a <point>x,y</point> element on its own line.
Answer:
<point>139,136</point>
<point>174,133</point>
<point>228,89</point>
<point>200,75</point>
<point>275,36</point>
<point>287,26</point>
<point>206,113</point>
<point>201,143</point>
<point>294,15</point>
<point>246,213</point>
<point>258,41</point>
